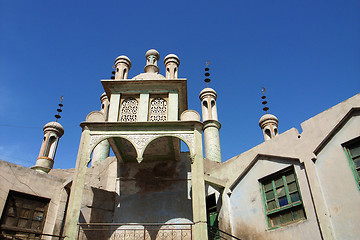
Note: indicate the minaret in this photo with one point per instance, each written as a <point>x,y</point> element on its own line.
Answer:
<point>52,134</point>
<point>102,150</point>
<point>122,66</point>
<point>210,120</point>
<point>172,63</point>
<point>268,122</point>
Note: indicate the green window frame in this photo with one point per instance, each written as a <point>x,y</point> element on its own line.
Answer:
<point>352,151</point>
<point>282,198</point>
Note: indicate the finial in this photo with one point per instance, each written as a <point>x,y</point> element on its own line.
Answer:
<point>264,101</point>
<point>57,116</point>
<point>207,74</point>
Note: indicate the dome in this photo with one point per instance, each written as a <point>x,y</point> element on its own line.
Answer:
<point>149,76</point>
<point>54,126</point>
<point>123,59</point>
<point>208,91</point>
<point>268,117</point>
<point>173,57</point>
<point>152,52</point>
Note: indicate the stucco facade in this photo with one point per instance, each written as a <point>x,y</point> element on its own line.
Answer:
<point>299,184</point>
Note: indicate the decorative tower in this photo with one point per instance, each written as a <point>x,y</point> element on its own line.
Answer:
<point>122,66</point>
<point>152,57</point>
<point>211,124</point>
<point>268,122</point>
<point>172,63</point>
<point>52,134</point>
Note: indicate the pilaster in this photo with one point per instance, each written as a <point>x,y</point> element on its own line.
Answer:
<point>173,114</point>
<point>114,107</point>
<point>143,109</point>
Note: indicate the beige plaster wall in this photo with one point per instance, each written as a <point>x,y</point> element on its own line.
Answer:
<point>25,180</point>
<point>339,188</point>
<point>247,209</point>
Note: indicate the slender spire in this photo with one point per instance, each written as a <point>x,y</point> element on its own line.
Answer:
<point>207,74</point>
<point>59,110</point>
<point>264,101</point>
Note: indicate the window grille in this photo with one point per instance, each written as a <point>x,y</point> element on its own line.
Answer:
<point>158,110</point>
<point>129,109</point>
<point>282,198</point>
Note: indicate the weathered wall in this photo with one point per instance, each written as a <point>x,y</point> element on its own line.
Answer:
<point>338,184</point>
<point>154,192</point>
<point>25,180</point>
<point>247,208</point>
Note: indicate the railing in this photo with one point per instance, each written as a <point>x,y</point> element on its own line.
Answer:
<point>128,231</point>
<point>217,234</point>
<point>22,234</point>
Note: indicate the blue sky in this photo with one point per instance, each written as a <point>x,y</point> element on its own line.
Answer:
<point>305,53</point>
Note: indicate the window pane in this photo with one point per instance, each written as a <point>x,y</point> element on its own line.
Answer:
<point>11,221</point>
<point>35,225</point>
<point>269,195</point>
<point>283,201</point>
<point>290,178</point>
<point>355,150</point>
<point>275,220</point>
<point>268,186</point>
<point>280,192</point>
<point>298,214</point>
<point>11,211</point>
<point>22,223</point>
<point>295,197</point>
<point>279,182</point>
<point>271,205</point>
<point>25,213</point>
<point>292,187</point>
<point>286,217</point>
<point>357,162</point>
<point>38,216</point>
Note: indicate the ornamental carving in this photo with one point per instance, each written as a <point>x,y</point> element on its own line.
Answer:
<point>128,110</point>
<point>158,110</point>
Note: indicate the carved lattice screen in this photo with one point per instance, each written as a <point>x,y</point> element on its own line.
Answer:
<point>129,110</point>
<point>158,110</point>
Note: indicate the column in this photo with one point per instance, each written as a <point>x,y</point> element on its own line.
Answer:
<point>77,187</point>
<point>198,190</point>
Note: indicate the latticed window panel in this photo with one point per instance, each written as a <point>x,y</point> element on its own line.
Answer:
<point>128,110</point>
<point>283,203</point>
<point>158,110</point>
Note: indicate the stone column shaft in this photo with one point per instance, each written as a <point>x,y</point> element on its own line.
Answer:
<point>198,190</point>
<point>212,140</point>
<point>77,187</point>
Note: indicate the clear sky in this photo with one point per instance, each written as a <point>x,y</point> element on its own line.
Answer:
<point>305,53</point>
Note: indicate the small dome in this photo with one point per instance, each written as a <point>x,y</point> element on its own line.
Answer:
<point>172,57</point>
<point>152,52</point>
<point>123,59</point>
<point>208,91</point>
<point>149,76</point>
<point>268,117</point>
<point>54,126</point>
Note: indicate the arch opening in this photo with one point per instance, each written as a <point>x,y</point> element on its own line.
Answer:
<point>116,147</point>
<point>166,148</point>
